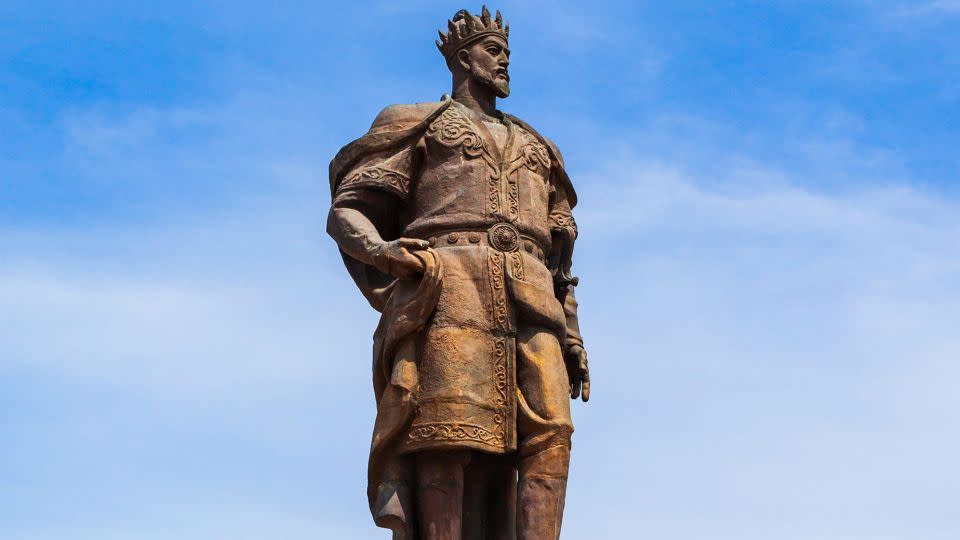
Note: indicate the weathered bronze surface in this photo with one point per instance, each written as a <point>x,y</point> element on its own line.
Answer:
<point>454,219</point>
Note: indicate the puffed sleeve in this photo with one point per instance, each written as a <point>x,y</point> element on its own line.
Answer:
<point>389,171</point>
<point>564,234</point>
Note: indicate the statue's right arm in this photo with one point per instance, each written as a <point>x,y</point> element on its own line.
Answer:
<point>351,227</point>
<point>372,193</point>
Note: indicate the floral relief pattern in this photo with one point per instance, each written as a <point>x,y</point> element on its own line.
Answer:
<point>500,317</point>
<point>534,154</point>
<point>379,177</point>
<point>500,418</point>
<point>493,194</point>
<point>563,221</point>
<point>455,431</point>
<point>453,129</point>
<point>516,261</point>
<point>513,198</point>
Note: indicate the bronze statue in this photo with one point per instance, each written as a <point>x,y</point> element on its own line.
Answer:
<point>454,219</point>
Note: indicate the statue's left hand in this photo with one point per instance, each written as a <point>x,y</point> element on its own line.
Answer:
<point>578,372</point>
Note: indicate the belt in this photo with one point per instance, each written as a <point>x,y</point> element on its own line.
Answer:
<point>502,237</point>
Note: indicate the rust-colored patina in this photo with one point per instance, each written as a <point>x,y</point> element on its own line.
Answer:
<point>454,219</point>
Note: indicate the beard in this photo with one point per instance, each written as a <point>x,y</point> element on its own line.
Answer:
<point>499,84</point>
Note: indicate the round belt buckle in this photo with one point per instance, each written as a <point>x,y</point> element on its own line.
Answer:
<point>504,237</point>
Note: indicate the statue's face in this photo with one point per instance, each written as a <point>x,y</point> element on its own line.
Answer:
<point>487,61</point>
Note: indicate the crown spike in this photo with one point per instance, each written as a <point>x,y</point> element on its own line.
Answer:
<point>465,28</point>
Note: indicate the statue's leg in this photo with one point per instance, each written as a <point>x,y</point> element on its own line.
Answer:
<point>544,428</point>
<point>502,499</point>
<point>440,493</point>
<point>541,492</point>
<point>476,486</point>
<point>490,498</point>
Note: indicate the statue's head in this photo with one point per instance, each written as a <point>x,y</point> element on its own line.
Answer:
<point>475,46</point>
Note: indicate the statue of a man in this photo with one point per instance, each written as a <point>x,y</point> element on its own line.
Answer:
<point>454,219</point>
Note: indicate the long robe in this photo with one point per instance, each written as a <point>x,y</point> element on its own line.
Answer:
<point>382,156</point>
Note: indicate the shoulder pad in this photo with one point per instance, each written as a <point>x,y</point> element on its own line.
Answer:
<point>402,115</point>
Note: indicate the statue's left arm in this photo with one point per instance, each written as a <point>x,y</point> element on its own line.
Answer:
<point>564,234</point>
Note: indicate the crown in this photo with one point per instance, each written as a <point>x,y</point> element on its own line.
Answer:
<point>465,29</point>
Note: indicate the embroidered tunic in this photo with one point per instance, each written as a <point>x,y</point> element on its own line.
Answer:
<point>498,217</point>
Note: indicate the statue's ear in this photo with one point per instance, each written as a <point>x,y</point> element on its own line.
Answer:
<point>463,58</point>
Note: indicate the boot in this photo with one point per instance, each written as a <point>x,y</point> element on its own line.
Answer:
<point>541,491</point>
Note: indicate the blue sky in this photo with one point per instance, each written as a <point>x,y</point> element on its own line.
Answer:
<point>769,255</point>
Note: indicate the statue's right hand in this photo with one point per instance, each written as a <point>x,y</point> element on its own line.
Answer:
<point>395,257</point>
